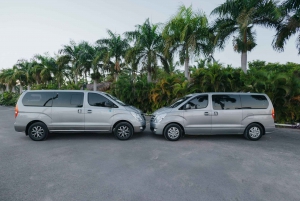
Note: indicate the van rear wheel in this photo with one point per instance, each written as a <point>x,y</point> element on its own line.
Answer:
<point>38,131</point>
<point>253,132</point>
<point>173,132</point>
<point>123,131</point>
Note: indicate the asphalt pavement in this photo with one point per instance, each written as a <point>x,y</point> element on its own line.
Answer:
<point>147,167</point>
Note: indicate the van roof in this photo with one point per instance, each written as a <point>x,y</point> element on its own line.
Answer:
<point>237,93</point>
<point>54,90</point>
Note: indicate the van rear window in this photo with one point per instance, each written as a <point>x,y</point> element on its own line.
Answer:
<point>254,102</point>
<point>38,99</point>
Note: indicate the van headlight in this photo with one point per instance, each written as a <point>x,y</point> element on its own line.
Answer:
<point>137,116</point>
<point>159,117</point>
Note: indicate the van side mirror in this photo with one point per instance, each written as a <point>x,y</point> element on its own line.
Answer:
<point>188,106</point>
<point>108,104</point>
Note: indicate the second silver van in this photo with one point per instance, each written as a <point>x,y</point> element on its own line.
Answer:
<point>250,114</point>
<point>42,111</point>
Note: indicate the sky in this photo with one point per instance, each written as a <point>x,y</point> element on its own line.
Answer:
<point>42,26</point>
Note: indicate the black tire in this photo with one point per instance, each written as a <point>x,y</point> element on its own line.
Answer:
<point>253,132</point>
<point>173,132</point>
<point>38,131</point>
<point>123,131</point>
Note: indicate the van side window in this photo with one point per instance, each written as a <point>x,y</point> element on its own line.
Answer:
<point>199,102</point>
<point>68,99</point>
<point>38,99</point>
<point>97,100</point>
<point>254,102</point>
<point>226,102</point>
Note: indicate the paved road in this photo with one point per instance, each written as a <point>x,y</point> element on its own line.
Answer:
<point>147,167</point>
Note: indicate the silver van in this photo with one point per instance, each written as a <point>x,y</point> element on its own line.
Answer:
<point>42,111</point>
<point>250,114</point>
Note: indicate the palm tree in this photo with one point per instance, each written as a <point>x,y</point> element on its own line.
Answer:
<point>188,33</point>
<point>62,70</point>
<point>7,77</point>
<point>24,68</point>
<point>239,17</point>
<point>91,58</point>
<point>147,47</point>
<point>72,52</point>
<point>289,26</point>
<point>115,48</point>
<point>46,67</point>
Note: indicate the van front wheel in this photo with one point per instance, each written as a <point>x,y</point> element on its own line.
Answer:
<point>123,131</point>
<point>173,132</point>
<point>253,132</point>
<point>38,131</point>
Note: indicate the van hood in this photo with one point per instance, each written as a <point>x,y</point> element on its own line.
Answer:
<point>162,110</point>
<point>133,109</point>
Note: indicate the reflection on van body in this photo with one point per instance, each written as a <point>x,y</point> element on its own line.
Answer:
<point>216,113</point>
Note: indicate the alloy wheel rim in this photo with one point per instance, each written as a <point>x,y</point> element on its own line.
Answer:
<point>173,133</point>
<point>123,131</point>
<point>254,132</point>
<point>37,131</point>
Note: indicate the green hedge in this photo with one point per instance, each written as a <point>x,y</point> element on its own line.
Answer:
<point>9,98</point>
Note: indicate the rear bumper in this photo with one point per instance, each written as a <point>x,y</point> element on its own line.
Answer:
<point>19,128</point>
<point>270,129</point>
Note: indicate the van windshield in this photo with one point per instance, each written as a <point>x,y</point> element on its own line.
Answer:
<point>178,102</point>
<point>115,99</point>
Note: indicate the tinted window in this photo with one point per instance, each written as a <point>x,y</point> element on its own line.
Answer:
<point>68,99</point>
<point>199,102</point>
<point>226,102</point>
<point>97,100</point>
<point>254,102</point>
<point>178,102</point>
<point>39,99</point>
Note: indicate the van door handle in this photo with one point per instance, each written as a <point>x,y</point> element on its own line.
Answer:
<point>79,110</point>
<point>89,111</point>
<point>216,113</point>
<point>206,113</point>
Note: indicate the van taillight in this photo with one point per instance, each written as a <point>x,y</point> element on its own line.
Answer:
<point>16,111</point>
<point>273,113</point>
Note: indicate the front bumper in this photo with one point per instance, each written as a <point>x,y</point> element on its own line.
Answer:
<point>156,128</point>
<point>140,128</point>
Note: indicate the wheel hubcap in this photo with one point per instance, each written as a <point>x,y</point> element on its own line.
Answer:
<point>37,132</point>
<point>254,132</point>
<point>123,131</point>
<point>173,132</point>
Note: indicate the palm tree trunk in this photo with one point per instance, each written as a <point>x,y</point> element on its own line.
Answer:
<point>186,69</point>
<point>116,76</point>
<point>7,87</point>
<point>149,77</point>
<point>28,88</point>
<point>95,85</point>
<point>244,62</point>
<point>76,79</point>
<point>21,88</point>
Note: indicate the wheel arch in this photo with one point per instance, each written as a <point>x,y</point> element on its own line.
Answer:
<point>32,122</point>
<point>264,130</point>
<point>183,132</point>
<point>120,121</point>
